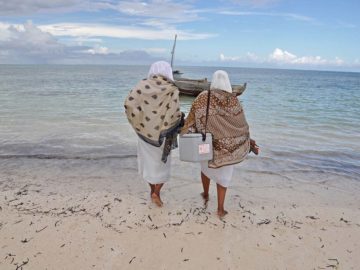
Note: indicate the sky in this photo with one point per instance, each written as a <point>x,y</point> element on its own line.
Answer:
<point>295,34</point>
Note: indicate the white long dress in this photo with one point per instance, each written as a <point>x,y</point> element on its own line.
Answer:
<point>150,166</point>
<point>221,176</point>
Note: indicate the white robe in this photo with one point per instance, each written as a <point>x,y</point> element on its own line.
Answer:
<point>221,176</point>
<point>150,166</point>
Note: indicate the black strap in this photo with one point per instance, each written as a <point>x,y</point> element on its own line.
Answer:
<point>207,113</point>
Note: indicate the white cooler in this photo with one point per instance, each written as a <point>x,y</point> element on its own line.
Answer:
<point>193,149</point>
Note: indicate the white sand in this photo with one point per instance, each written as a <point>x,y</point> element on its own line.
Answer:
<point>69,214</point>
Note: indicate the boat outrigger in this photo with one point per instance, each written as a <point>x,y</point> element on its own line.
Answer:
<point>193,87</point>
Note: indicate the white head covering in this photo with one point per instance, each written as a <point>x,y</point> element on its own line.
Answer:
<point>220,80</point>
<point>161,68</point>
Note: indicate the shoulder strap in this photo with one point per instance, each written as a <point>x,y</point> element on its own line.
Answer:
<point>207,113</point>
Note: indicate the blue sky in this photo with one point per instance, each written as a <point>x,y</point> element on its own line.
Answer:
<point>304,34</point>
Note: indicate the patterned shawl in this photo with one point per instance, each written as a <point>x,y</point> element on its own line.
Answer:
<point>226,122</point>
<point>153,109</point>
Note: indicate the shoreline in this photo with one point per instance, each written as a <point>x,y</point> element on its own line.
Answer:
<point>66,214</point>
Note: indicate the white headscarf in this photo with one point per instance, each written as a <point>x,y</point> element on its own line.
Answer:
<point>161,68</point>
<point>220,80</point>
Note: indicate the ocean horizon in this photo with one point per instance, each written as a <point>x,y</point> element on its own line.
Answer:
<point>180,67</point>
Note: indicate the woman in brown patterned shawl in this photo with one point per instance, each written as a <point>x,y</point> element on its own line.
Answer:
<point>230,131</point>
<point>153,110</point>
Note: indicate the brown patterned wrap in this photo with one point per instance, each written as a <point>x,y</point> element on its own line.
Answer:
<point>226,122</point>
<point>153,110</point>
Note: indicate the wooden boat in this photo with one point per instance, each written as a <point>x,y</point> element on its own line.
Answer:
<point>193,87</point>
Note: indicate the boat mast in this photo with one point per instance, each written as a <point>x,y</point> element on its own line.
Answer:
<point>173,52</point>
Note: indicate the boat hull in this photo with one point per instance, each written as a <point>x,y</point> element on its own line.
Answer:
<point>193,88</point>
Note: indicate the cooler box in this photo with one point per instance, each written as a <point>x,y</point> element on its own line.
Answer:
<point>193,149</point>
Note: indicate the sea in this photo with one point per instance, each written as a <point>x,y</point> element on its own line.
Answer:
<point>306,122</point>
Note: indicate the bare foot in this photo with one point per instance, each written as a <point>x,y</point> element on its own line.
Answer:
<point>156,199</point>
<point>222,213</point>
<point>205,196</point>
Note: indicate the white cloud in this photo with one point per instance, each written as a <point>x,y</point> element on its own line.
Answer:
<point>338,61</point>
<point>98,30</point>
<point>4,32</point>
<point>28,44</point>
<point>280,56</point>
<point>224,58</point>
<point>20,7</point>
<point>98,50</point>
<point>255,3</point>
<point>165,10</point>
<point>170,11</point>
<point>292,16</point>
<point>156,50</point>
<point>81,40</point>
<point>28,38</point>
<point>284,58</point>
<point>252,57</point>
<point>249,57</point>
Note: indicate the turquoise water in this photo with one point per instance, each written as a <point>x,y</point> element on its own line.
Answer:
<point>307,121</point>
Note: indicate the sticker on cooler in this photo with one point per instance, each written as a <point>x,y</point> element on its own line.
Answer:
<point>204,148</point>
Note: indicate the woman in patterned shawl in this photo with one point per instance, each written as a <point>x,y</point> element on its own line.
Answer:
<point>230,131</point>
<point>153,110</point>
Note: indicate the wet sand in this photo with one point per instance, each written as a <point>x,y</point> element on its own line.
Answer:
<point>97,214</point>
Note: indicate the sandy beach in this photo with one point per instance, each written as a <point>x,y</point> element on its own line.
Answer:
<point>69,214</point>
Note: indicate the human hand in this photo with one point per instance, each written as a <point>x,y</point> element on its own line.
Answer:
<point>254,147</point>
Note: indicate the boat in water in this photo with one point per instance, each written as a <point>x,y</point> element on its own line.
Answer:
<point>193,87</point>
